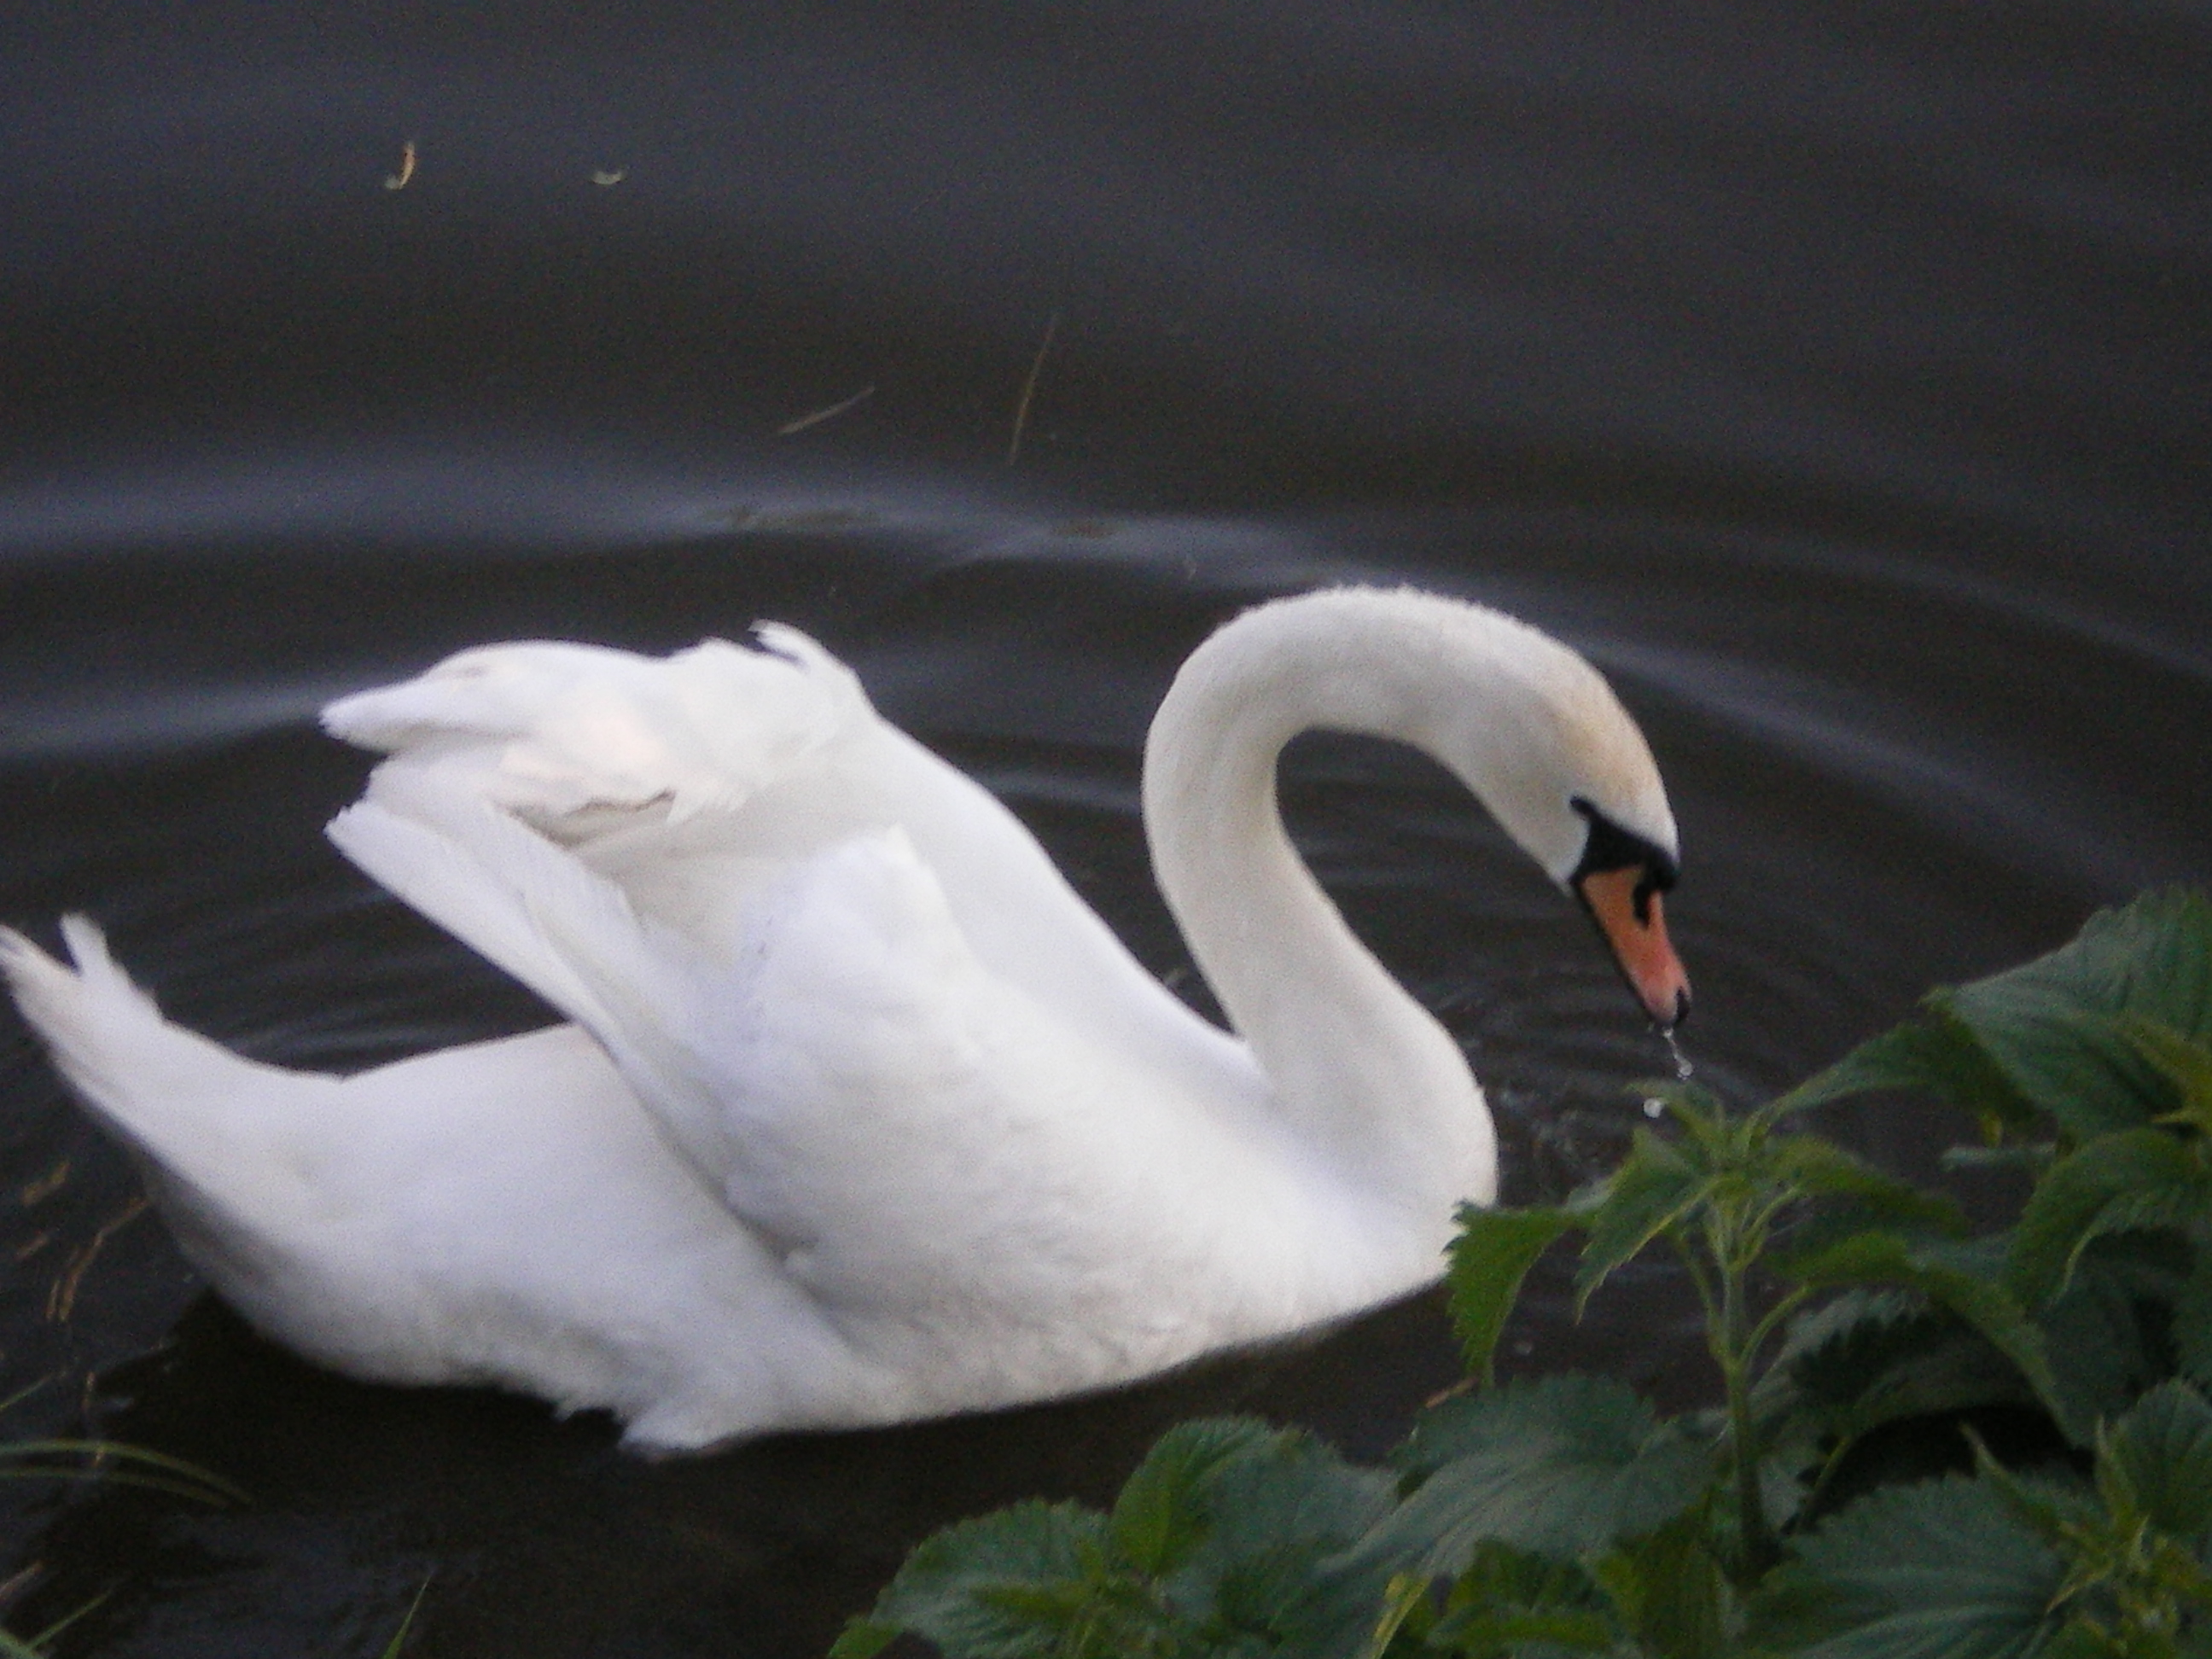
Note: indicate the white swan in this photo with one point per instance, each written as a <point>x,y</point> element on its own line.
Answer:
<point>864,1116</point>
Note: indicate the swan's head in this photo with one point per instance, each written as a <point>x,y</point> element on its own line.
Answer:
<point>1618,879</point>
<point>1542,741</point>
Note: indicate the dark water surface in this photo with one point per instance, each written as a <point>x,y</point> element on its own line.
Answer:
<point>1839,378</point>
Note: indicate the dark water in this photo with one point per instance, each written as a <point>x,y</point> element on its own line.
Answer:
<point>1839,378</point>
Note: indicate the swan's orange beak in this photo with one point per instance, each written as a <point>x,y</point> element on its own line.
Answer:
<point>1636,928</point>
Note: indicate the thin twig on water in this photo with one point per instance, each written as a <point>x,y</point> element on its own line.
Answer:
<point>62,1299</point>
<point>1029,388</point>
<point>829,414</point>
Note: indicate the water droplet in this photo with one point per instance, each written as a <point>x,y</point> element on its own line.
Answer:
<point>1683,1069</point>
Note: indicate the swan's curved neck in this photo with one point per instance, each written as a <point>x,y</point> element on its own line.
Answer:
<point>1356,1065</point>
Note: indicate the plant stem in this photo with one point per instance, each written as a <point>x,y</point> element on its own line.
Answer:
<point>1731,1348</point>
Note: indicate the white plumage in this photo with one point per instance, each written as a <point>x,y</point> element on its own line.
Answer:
<point>863,1116</point>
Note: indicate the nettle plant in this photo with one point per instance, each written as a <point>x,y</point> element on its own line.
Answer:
<point>1866,1343</point>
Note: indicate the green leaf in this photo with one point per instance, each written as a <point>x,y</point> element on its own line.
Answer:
<point>945,1592</point>
<point>1558,1465</point>
<point>1160,1513</point>
<point>2052,1026</point>
<point>1499,1575</point>
<point>1711,1133</point>
<point>2058,1511</point>
<point>2134,1179</point>
<point>1406,1605</point>
<point>1490,1259</point>
<point>1870,1357</point>
<point>1669,1590</point>
<point>1937,1054</point>
<point>1271,1565</point>
<point>1656,1186</point>
<point>2080,1638</point>
<point>2109,1334</point>
<point>863,1638</point>
<point>2187,1066</point>
<point>1821,1169</point>
<point>1507,1596</point>
<point>1938,1571</point>
<point>2163,1447</point>
<point>2059,1037</point>
<point>2192,1312</point>
<point>1958,1276</point>
<point>1509,1630</point>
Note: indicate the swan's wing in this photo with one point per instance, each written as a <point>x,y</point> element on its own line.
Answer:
<point>573,738</point>
<point>698,783</point>
<point>567,933</point>
<point>911,1133</point>
<point>689,782</point>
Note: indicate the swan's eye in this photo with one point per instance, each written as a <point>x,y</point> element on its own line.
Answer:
<point>1658,877</point>
<point>1609,847</point>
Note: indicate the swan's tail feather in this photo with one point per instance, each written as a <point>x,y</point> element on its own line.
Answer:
<point>174,1096</point>
<point>105,1034</point>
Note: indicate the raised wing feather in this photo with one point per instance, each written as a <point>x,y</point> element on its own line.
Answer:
<point>868,1097</point>
<point>564,734</point>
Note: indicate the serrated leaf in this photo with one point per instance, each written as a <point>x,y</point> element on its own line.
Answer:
<point>1958,1276</point>
<point>1710,1133</point>
<point>2051,1509</point>
<point>1873,1357</point>
<point>2051,1025</point>
<point>1409,1604</point>
<point>2080,1639</point>
<point>1559,1467</point>
<point>1498,1576</point>
<point>1161,1513</point>
<point>1823,1170</point>
<point>1936,1055</point>
<point>2108,1333</point>
<point>2134,1178</point>
<point>863,1638</point>
<point>2163,1447</point>
<point>1654,1186</point>
<point>2187,1066</point>
<point>1668,1589</point>
<point>1938,1571</point>
<point>944,1591</point>
<point>1490,1259</point>
<point>2046,1038</point>
<point>1271,1565</point>
<point>1824,1327</point>
<point>1512,1629</point>
<point>2192,1312</point>
<point>1293,1486</point>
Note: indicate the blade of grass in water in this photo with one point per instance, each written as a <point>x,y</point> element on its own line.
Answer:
<point>108,1460</point>
<point>399,1635</point>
